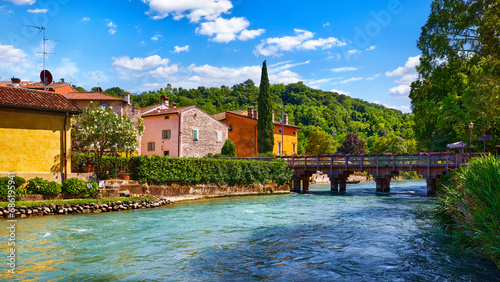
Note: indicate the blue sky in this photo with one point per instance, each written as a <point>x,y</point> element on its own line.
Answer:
<point>365,49</point>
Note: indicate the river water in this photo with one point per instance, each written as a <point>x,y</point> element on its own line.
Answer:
<point>356,236</point>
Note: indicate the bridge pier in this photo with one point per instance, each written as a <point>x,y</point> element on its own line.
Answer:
<point>343,183</point>
<point>305,184</point>
<point>296,185</point>
<point>334,184</point>
<point>383,184</point>
<point>431,186</point>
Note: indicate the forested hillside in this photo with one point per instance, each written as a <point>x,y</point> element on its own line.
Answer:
<point>382,129</point>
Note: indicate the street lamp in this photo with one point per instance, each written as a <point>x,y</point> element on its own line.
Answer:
<point>471,125</point>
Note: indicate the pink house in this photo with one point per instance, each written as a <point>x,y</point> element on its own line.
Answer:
<point>181,132</point>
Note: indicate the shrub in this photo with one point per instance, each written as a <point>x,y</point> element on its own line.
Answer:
<point>17,182</point>
<point>469,209</point>
<point>74,186</point>
<point>39,185</point>
<point>91,189</point>
<point>228,149</point>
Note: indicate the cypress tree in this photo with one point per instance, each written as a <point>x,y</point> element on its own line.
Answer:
<point>265,127</point>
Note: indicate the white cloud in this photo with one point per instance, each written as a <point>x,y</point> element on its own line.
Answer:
<point>340,92</point>
<point>4,11</point>
<point>334,56</point>
<point>373,77</point>
<point>37,11</point>
<point>350,80</point>
<point>408,74</point>
<point>10,55</point>
<point>281,66</point>
<point>227,30</point>
<point>353,52</point>
<point>140,63</point>
<point>22,2</point>
<point>194,10</point>
<point>178,49</point>
<point>343,69</point>
<point>156,37</point>
<point>112,27</point>
<point>67,69</point>
<point>301,41</point>
<point>164,72</point>
<point>326,24</point>
<point>370,48</point>
<point>86,19</point>
<point>250,34</point>
<point>404,109</point>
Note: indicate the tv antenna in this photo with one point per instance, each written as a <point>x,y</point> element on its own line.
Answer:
<point>42,29</point>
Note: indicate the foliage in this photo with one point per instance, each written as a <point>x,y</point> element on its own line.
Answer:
<point>73,186</point>
<point>320,142</point>
<point>389,144</point>
<point>459,74</point>
<point>112,166</point>
<point>39,185</point>
<point>352,145</point>
<point>469,208</point>
<point>265,127</point>
<point>168,170</point>
<point>228,149</point>
<point>17,182</point>
<point>409,175</point>
<point>98,130</point>
<point>77,201</point>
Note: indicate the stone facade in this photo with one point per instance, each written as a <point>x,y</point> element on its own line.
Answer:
<point>208,130</point>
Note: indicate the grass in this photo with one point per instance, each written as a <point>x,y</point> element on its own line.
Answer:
<point>75,201</point>
<point>469,208</point>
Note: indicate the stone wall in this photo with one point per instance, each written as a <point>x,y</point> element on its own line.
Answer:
<point>207,128</point>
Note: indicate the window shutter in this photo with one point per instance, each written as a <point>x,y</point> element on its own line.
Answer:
<point>195,134</point>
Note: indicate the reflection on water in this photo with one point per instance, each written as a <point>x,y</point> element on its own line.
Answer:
<point>355,236</point>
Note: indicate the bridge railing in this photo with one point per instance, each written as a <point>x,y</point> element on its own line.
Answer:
<point>360,161</point>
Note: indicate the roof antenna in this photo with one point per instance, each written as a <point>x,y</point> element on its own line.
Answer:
<point>42,29</point>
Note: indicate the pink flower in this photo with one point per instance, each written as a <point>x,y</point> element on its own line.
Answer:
<point>37,187</point>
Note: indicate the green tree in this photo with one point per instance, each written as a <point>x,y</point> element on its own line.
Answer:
<point>265,127</point>
<point>320,142</point>
<point>352,145</point>
<point>228,149</point>
<point>100,131</point>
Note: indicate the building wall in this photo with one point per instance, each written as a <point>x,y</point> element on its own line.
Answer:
<point>153,127</point>
<point>32,142</point>
<point>287,138</point>
<point>244,134</point>
<point>207,131</point>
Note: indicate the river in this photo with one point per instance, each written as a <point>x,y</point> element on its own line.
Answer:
<point>356,236</point>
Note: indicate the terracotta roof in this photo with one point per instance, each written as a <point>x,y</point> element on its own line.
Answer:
<point>244,114</point>
<point>168,111</point>
<point>222,116</point>
<point>93,96</point>
<point>39,85</point>
<point>18,97</point>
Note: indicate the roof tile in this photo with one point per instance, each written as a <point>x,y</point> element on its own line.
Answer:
<point>18,97</point>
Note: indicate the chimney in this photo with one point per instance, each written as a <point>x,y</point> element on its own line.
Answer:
<point>285,118</point>
<point>127,97</point>
<point>158,110</point>
<point>174,105</point>
<point>164,101</point>
<point>250,112</point>
<point>255,114</point>
<point>273,116</point>
<point>15,81</point>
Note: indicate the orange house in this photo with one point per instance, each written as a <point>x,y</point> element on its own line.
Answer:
<point>243,131</point>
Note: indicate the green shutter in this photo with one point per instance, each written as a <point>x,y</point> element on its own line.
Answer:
<point>195,134</point>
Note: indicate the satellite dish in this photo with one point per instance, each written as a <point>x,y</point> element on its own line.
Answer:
<point>46,77</point>
<point>99,89</point>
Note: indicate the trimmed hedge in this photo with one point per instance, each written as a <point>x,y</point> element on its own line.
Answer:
<point>169,170</point>
<point>17,183</point>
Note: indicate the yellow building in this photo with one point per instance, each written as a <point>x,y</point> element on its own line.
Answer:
<point>35,136</point>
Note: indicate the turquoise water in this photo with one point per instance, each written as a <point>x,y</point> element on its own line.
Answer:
<point>356,236</point>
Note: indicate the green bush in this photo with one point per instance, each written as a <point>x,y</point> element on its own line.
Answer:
<point>91,189</point>
<point>165,170</point>
<point>74,186</point>
<point>39,185</point>
<point>17,182</point>
<point>228,149</point>
<point>469,207</point>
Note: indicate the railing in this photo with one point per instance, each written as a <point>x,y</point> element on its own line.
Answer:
<point>365,161</point>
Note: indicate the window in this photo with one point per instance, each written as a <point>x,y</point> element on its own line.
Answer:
<point>230,128</point>
<point>151,146</point>
<point>104,105</point>
<point>219,136</point>
<point>293,147</point>
<point>195,134</point>
<point>166,134</point>
<point>280,130</point>
<point>166,153</point>
<point>279,148</point>
<point>294,133</point>
<point>167,117</point>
